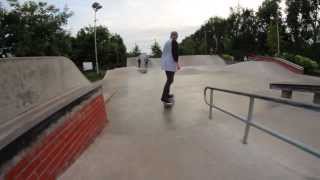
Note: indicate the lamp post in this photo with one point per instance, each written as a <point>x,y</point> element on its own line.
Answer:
<point>96,6</point>
<point>278,37</point>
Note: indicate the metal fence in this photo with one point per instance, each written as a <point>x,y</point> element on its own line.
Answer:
<point>250,122</point>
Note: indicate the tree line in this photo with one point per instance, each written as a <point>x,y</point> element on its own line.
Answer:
<point>246,32</point>
<point>36,28</point>
<point>156,51</point>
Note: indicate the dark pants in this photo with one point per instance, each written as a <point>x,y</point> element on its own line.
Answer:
<point>166,89</point>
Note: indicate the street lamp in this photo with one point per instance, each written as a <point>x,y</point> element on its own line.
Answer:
<point>96,6</point>
<point>278,35</point>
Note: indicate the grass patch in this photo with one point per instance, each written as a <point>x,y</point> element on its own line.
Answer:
<point>93,76</point>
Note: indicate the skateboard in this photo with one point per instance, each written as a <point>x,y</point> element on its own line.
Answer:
<point>143,70</point>
<point>169,105</point>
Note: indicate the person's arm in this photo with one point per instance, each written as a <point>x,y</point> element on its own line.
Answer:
<point>175,51</point>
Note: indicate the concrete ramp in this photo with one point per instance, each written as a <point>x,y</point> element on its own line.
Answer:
<point>202,60</point>
<point>197,60</point>
<point>268,70</point>
<point>132,61</point>
<point>148,141</point>
<point>32,88</point>
<point>260,69</point>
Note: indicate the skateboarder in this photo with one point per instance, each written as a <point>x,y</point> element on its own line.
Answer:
<point>139,62</point>
<point>146,62</point>
<point>170,64</point>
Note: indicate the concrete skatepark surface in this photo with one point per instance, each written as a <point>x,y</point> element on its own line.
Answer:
<point>147,141</point>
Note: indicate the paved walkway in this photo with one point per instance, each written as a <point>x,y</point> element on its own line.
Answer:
<point>147,141</point>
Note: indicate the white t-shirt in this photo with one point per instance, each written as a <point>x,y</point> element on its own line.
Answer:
<point>167,61</point>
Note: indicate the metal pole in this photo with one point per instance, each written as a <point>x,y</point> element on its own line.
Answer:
<point>205,38</point>
<point>95,42</point>
<point>211,104</point>
<point>278,37</point>
<point>215,37</point>
<point>248,123</point>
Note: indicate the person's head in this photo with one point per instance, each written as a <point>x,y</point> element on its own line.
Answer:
<point>174,35</point>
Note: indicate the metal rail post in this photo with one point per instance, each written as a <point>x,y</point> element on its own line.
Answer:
<point>249,119</point>
<point>211,104</point>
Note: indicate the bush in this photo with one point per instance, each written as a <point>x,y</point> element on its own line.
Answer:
<point>238,55</point>
<point>308,64</point>
<point>227,57</point>
<point>93,76</point>
<point>313,52</point>
<point>288,56</point>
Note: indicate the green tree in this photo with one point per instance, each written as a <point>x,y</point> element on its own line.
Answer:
<point>3,16</point>
<point>217,28</point>
<point>314,19</point>
<point>246,41</point>
<point>246,31</point>
<point>303,20</point>
<point>187,46</point>
<point>236,35</point>
<point>294,21</point>
<point>272,39</point>
<point>136,51</point>
<point>111,49</point>
<point>35,29</point>
<point>268,10</point>
<point>116,51</point>
<point>156,50</point>
<point>242,32</point>
<point>210,36</point>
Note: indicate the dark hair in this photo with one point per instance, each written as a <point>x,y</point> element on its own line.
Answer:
<point>174,33</point>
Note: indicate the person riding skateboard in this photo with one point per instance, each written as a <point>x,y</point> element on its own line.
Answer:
<point>146,62</point>
<point>170,64</point>
<point>139,62</point>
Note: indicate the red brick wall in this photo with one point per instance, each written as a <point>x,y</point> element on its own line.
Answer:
<point>285,65</point>
<point>61,147</point>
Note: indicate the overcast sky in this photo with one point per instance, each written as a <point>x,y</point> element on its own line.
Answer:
<point>142,22</point>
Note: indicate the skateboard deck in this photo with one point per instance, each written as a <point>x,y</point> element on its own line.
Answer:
<point>169,105</point>
<point>143,70</point>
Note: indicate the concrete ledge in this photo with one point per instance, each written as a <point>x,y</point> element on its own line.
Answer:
<point>32,117</point>
<point>57,150</point>
<point>33,88</point>
<point>288,87</point>
<point>290,63</point>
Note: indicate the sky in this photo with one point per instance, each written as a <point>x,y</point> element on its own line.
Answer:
<point>142,22</point>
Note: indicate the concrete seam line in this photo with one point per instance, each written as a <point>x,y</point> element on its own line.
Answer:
<point>112,94</point>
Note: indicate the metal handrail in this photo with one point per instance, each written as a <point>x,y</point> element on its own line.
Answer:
<point>250,123</point>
